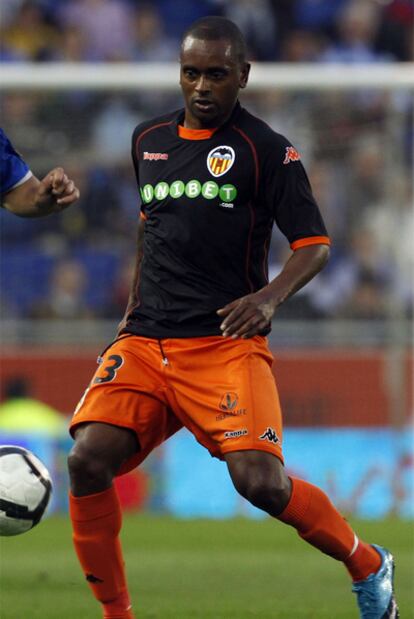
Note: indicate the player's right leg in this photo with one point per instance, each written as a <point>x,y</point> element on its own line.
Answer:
<point>99,451</point>
<point>122,416</point>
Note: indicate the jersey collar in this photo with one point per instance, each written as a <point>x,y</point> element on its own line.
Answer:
<point>179,120</point>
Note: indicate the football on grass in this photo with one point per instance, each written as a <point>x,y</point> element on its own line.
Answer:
<point>25,490</point>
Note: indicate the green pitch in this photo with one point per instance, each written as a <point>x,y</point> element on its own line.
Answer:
<point>235,569</point>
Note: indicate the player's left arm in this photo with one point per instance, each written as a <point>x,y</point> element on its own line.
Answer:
<point>287,193</point>
<point>249,315</point>
<point>36,198</point>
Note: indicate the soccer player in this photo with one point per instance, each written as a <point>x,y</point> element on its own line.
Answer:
<point>25,195</point>
<point>192,349</point>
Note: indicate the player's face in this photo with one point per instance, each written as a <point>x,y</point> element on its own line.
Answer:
<point>210,78</point>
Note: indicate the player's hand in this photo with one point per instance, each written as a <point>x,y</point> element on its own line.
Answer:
<point>247,316</point>
<point>57,188</point>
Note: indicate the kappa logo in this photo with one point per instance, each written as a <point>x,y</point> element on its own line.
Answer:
<point>291,154</point>
<point>220,160</point>
<point>229,401</point>
<point>236,433</point>
<point>155,156</point>
<point>269,435</point>
<point>92,578</point>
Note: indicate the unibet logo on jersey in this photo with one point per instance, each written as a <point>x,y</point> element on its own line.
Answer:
<point>193,189</point>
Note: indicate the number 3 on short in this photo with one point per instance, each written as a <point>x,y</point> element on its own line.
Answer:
<point>114,363</point>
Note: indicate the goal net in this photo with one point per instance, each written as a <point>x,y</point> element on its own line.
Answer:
<point>343,344</point>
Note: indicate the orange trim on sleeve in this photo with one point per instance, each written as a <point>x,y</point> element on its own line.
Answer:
<point>195,134</point>
<point>142,216</point>
<point>310,240</point>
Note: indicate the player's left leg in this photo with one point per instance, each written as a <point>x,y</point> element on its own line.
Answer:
<point>227,390</point>
<point>260,477</point>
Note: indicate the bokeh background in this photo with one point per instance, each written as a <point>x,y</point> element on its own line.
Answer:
<point>343,345</point>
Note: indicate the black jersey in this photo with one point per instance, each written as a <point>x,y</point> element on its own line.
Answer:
<point>209,207</point>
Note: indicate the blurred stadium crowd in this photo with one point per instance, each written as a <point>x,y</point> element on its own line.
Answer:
<point>287,30</point>
<point>357,148</point>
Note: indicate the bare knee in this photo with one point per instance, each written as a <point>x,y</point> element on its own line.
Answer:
<point>87,474</point>
<point>261,479</point>
<point>267,495</point>
<point>97,455</point>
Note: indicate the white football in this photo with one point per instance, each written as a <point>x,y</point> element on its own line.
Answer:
<point>25,490</point>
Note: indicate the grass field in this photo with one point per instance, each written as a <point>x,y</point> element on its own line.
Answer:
<point>235,569</point>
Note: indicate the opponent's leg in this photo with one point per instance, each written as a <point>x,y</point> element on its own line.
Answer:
<point>261,478</point>
<point>99,451</point>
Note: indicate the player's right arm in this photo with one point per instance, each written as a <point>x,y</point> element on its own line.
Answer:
<point>133,295</point>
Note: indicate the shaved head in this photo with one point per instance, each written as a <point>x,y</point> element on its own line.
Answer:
<point>218,29</point>
<point>213,68</point>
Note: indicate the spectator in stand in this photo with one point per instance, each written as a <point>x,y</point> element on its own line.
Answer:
<point>21,116</point>
<point>319,16</point>
<point>257,21</point>
<point>389,219</point>
<point>29,35</point>
<point>353,276</point>
<point>396,31</point>
<point>331,192</point>
<point>9,54</point>
<point>357,27</point>
<point>367,174</point>
<point>111,129</point>
<point>66,297</point>
<point>20,412</point>
<point>367,301</point>
<point>72,45</point>
<point>151,43</point>
<point>177,15</point>
<point>302,46</point>
<point>9,10</point>
<point>106,26</point>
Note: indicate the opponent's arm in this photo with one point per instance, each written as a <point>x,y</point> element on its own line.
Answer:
<point>133,295</point>
<point>35,198</point>
<point>249,315</point>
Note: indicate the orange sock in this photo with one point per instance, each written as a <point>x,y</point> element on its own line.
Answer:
<point>96,521</point>
<point>318,522</point>
<point>363,562</point>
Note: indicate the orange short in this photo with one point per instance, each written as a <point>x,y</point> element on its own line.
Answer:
<point>221,389</point>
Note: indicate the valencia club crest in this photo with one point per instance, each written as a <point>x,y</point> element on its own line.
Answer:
<point>220,160</point>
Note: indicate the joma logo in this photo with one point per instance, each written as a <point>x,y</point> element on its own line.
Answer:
<point>229,401</point>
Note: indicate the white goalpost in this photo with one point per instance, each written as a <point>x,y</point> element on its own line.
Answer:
<point>150,76</point>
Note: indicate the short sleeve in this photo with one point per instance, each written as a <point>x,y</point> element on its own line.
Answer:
<point>14,171</point>
<point>288,194</point>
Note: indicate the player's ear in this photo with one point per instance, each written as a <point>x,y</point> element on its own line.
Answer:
<point>244,75</point>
